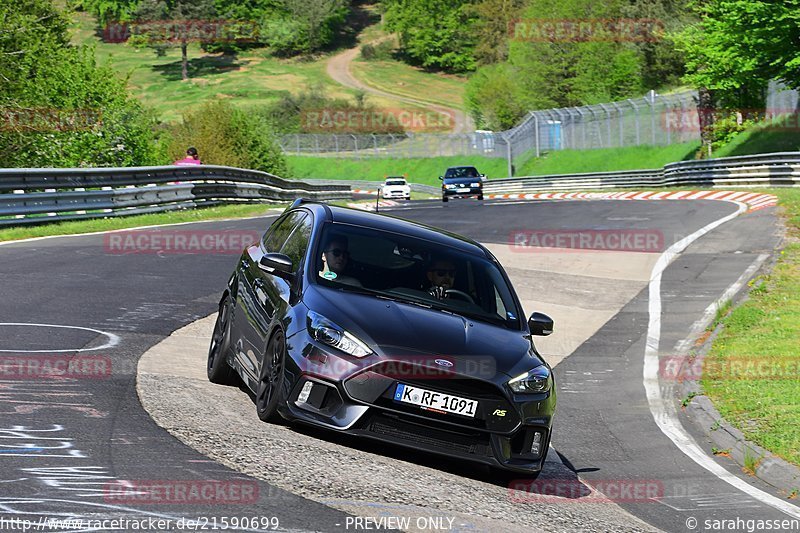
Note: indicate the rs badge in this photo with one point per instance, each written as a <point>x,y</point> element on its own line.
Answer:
<point>499,412</point>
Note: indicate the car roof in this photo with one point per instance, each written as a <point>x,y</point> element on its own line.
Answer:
<point>463,166</point>
<point>382,221</point>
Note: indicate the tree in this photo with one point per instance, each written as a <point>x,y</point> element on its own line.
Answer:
<point>493,22</point>
<point>60,108</point>
<point>225,135</point>
<point>434,33</point>
<point>552,62</point>
<point>161,23</point>
<point>739,45</point>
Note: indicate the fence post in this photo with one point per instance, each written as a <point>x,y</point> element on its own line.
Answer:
<point>636,114</point>
<point>652,100</point>
<point>507,139</point>
<point>608,123</point>
<point>536,133</point>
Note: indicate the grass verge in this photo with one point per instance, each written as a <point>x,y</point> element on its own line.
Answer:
<point>755,381</point>
<point>106,224</point>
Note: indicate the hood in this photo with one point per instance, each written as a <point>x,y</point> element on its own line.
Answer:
<point>397,330</point>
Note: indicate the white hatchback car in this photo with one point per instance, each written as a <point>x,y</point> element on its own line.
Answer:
<point>396,187</point>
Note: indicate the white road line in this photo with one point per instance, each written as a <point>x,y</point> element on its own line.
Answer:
<point>682,347</point>
<point>113,340</point>
<point>663,410</point>
<point>136,228</point>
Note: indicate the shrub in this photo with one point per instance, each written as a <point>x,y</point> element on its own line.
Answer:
<point>225,135</point>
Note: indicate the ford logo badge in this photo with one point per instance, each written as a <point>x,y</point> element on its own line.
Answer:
<point>443,362</point>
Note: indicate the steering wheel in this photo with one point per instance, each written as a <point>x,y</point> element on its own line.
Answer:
<point>461,295</point>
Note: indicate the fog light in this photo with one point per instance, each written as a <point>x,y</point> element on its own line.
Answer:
<point>536,447</point>
<point>305,392</point>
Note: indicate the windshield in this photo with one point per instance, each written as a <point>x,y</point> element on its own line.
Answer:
<point>414,271</point>
<point>395,182</point>
<point>462,172</point>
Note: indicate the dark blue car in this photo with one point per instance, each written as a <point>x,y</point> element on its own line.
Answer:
<point>376,326</point>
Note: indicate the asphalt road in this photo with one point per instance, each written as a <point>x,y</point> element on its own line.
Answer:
<point>66,443</point>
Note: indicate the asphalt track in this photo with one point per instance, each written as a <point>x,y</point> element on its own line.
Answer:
<point>65,442</point>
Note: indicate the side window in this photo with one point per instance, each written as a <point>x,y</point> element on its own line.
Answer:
<point>277,234</point>
<point>297,243</point>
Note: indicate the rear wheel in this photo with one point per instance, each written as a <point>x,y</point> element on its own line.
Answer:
<point>218,369</point>
<point>270,379</point>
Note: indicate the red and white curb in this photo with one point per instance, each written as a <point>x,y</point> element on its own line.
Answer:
<point>363,191</point>
<point>753,200</point>
<point>371,206</point>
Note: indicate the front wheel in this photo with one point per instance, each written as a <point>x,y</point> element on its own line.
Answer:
<point>217,368</point>
<point>271,378</point>
<point>444,198</point>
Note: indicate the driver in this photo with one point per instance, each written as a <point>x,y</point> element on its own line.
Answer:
<point>442,275</point>
<point>335,256</point>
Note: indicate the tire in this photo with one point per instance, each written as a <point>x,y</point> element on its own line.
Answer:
<point>270,379</point>
<point>444,199</point>
<point>217,368</point>
<point>480,197</point>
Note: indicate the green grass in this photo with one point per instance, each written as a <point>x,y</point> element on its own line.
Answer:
<point>428,170</point>
<point>764,404</point>
<point>606,159</point>
<point>424,170</point>
<point>781,135</point>
<point>253,78</point>
<point>399,78</point>
<point>105,224</point>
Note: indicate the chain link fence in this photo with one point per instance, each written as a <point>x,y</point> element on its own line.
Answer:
<point>653,119</point>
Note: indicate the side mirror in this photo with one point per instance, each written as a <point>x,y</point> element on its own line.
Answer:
<point>540,324</point>
<point>441,177</point>
<point>277,264</point>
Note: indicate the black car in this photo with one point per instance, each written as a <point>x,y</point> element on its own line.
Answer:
<point>376,326</point>
<point>462,182</point>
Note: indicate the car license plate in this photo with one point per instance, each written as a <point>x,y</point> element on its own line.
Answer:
<point>462,189</point>
<point>435,401</point>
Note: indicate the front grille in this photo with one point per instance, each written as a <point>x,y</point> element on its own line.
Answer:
<point>415,433</point>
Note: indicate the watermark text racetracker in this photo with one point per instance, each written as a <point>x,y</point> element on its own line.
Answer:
<point>33,367</point>
<point>165,241</point>
<point>591,491</point>
<point>174,491</point>
<point>579,240</point>
<point>369,120</point>
<point>636,30</point>
<point>687,368</point>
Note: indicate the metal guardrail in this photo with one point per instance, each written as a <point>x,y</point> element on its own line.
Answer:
<point>764,170</point>
<point>34,196</point>
<point>373,185</point>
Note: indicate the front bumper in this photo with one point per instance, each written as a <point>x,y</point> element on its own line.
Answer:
<point>396,194</point>
<point>357,398</point>
<point>462,192</point>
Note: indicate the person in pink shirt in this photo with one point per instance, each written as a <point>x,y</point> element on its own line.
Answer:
<point>191,158</point>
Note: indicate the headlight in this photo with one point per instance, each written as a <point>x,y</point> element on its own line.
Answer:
<point>476,184</point>
<point>449,186</point>
<point>326,332</point>
<point>536,380</point>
